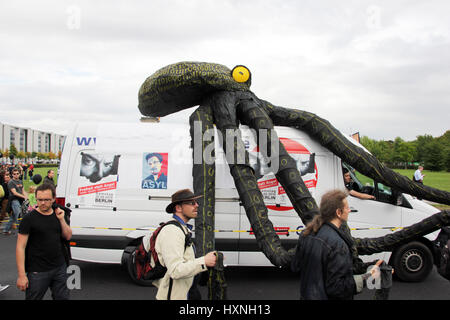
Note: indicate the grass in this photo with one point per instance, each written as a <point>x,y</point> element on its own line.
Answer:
<point>43,172</point>
<point>439,180</point>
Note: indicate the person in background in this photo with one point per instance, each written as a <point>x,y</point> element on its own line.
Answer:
<point>30,171</point>
<point>49,177</point>
<point>418,176</point>
<point>4,204</point>
<point>32,198</point>
<point>16,196</point>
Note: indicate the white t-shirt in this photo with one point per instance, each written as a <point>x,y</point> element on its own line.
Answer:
<point>418,175</point>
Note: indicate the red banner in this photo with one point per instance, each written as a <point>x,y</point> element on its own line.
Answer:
<point>267,183</point>
<point>97,188</point>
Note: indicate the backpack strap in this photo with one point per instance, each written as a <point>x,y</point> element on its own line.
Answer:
<point>187,242</point>
<point>170,289</point>
<point>187,235</point>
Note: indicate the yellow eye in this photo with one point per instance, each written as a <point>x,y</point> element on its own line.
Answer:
<point>241,74</point>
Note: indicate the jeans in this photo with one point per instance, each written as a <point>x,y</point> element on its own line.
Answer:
<point>16,208</point>
<point>39,282</point>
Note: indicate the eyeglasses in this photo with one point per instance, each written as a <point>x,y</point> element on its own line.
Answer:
<point>44,200</point>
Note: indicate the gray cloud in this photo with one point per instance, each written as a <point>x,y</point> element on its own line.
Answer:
<point>380,68</point>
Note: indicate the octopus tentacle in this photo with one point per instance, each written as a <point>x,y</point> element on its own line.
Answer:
<point>287,174</point>
<point>390,241</point>
<point>246,184</point>
<point>203,173</point>
<point>337,143</point>
<point>362,246</point>
<point>213,86</point>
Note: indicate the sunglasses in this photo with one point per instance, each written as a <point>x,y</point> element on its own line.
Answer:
<point>191,202</point>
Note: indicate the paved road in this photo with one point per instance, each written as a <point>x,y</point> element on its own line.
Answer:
<point>110,282</point>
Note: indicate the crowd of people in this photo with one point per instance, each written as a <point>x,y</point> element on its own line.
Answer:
<point>11,188</point>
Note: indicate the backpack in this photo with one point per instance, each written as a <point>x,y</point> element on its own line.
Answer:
<point>442,243</point>
<point>142,258</point>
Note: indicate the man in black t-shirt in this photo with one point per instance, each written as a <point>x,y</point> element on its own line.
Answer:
<point>40,250</point>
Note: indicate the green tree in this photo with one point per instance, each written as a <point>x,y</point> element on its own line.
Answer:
<point>421,145</point>
<point>403,152</point>
<point>446,159</point>
<point>21,154</point>
<point>434,156</point>
<point>13,150</point>
<point>387,151</point>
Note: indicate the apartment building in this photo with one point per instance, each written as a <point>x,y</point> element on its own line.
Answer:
<point>30,140</point>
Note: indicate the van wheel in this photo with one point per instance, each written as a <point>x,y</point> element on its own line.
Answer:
<point>412,262</point>
<point>128,259</point>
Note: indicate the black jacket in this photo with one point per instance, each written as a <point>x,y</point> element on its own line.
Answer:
<point>325,264</point>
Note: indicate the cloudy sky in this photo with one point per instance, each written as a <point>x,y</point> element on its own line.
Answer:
<point>378,67</point>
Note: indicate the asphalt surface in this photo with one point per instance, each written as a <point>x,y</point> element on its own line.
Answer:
<point>111,282</point>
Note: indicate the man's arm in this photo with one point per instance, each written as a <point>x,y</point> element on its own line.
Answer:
<point>360,195</point>
<point>22,280</point>
<point>20,195</point>
<point>66,230</point>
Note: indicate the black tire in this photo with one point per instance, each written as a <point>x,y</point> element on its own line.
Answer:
<point>412,262</point>
<point>128,262</point>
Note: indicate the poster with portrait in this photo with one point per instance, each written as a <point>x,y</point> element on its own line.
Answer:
<point>274,195</point>
<point>98,179</point>
<point>154,170</point>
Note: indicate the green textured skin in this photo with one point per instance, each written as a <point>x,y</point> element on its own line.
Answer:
<point>183,85</point>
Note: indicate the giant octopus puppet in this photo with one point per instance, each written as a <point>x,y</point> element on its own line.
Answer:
<point>225,100</point>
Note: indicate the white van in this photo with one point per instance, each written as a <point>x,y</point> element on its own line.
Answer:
<point>105,179</point>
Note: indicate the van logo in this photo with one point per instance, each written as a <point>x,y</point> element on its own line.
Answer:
<point>85,141</point>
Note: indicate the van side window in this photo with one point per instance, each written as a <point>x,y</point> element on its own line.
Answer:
<point>364,184</point>
<point>384,193</point>
<point>355,180</point>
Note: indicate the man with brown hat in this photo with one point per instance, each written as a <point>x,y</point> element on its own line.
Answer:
<point>173,253</point>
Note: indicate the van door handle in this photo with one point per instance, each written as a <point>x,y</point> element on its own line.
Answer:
<point>353,210</point>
